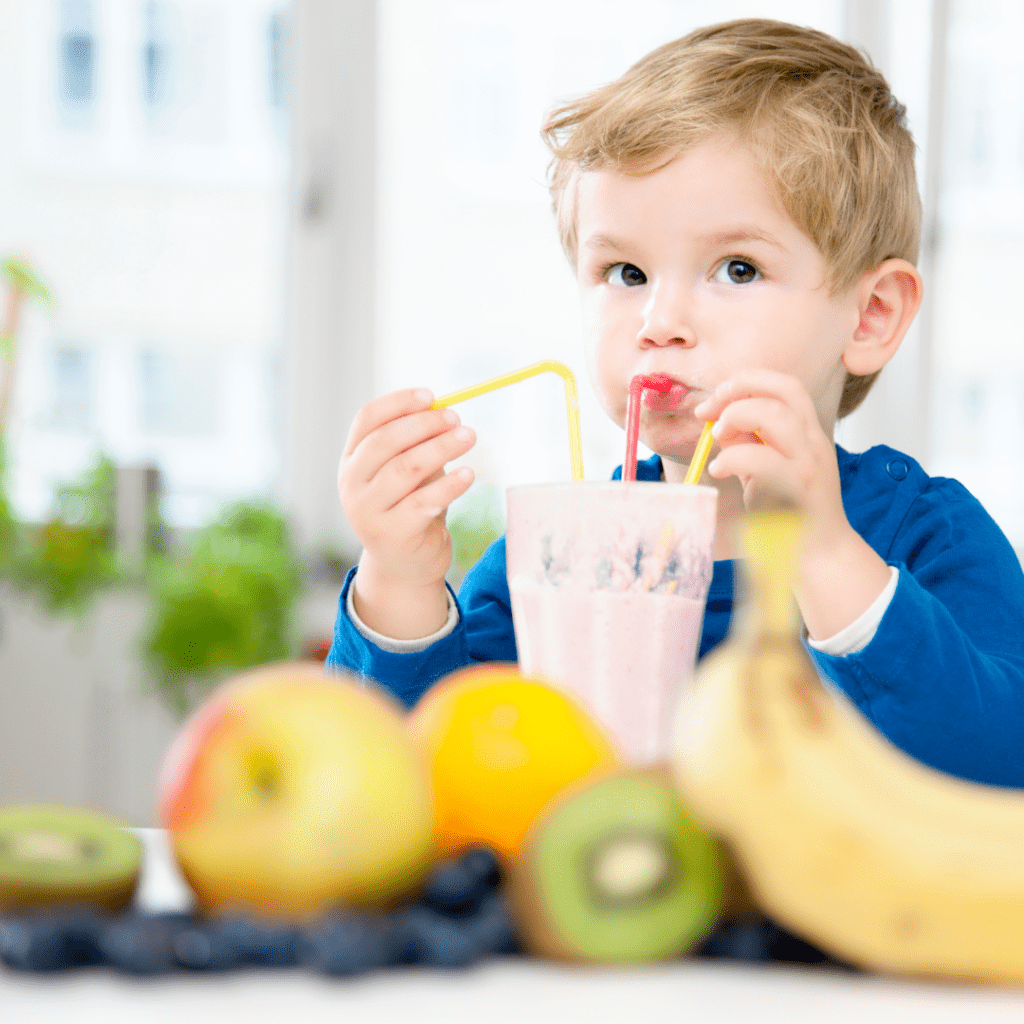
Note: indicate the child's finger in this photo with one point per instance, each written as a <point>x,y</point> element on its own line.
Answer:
<point>408,470</point>
<point>431,500</point>
<point>765,420</point>
<point>379,411</point>
<point>396,437</point>
<point>756,383</point>
<point>752,461</point>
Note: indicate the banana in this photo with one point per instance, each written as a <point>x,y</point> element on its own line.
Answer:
<point>842,837</point>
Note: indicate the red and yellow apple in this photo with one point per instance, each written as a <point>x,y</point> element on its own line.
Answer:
<point>290,792</point>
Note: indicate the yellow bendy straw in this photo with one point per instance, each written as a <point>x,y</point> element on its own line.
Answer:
<point>572,405</point>
<point>700,454</point>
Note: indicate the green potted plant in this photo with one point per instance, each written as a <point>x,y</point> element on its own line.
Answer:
<point>67,559</point>
<point>227,604</point>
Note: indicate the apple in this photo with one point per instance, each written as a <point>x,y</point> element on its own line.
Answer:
<point>290,792</point>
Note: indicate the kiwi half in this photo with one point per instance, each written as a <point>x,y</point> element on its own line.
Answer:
<point>54,855</point>
<point>617,871</point>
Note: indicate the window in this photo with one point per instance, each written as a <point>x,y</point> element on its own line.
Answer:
<point>178,394</point>
<point>977,429</point>
<point>72,387</point>
<point>277,42</point>
<point>160,230</point>
<point>181,47</point>
<point>76,62</point>
<point>156,54</point>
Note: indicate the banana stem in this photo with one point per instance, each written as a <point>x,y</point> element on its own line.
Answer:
<point>774,537</point>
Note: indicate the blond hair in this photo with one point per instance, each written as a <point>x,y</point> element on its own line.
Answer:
<point>818,116</point>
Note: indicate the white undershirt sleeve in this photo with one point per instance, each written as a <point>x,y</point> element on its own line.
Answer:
<point>858,634</point>
<point>386,643</point>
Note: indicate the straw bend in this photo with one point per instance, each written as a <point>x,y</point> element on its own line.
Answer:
<point>572,405</point>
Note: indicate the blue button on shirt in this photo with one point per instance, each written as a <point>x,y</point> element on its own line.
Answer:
<point>897,468</point>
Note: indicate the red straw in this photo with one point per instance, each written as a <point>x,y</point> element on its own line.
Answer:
<point>654,382</point>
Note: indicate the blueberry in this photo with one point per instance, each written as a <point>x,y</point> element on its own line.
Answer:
<point>453,888</point>
<point>762,940</point>
<point>492,928</point>
<point>458,885</point>
<point>351,942</point>
<point>143,944</point>
<point>433,939</point>
<point>205,946</point>
<point>738,940</point>
<point>51,941</point>
<point>260,943</point>
<point>786,947</point>
<point>437,940</point>
<point>483,863</point>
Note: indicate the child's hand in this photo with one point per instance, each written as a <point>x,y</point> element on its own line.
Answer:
<point>395,494</point>
<point>768,431</point>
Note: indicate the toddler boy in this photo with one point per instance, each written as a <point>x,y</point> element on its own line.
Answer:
<point>742,215</point>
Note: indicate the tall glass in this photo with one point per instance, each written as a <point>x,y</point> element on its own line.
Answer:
<point>608,584</point>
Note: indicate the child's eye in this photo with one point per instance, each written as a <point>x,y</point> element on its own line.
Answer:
<point>625,275</point>
<point>737,272</point>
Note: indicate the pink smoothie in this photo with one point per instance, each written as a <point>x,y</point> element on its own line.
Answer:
<point>628,655</point>
<point>608,583</point>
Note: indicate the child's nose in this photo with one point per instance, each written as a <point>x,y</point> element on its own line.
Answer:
<point>667,319</point>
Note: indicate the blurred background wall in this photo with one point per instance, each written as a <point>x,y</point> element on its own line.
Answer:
<point>253,215</point>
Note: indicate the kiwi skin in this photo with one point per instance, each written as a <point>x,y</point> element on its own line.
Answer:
<point>539,932</point>
<point>109,886</point>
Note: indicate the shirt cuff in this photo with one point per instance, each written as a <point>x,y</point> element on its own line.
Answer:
<point>859,633</point>
<point>386,643</point>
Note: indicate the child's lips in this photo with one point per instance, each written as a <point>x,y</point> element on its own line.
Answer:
<point>666,401</point>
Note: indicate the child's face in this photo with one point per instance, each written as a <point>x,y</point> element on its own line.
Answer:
<point>694,271</point>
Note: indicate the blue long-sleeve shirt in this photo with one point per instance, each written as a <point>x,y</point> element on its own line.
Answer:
<point>943,676</point>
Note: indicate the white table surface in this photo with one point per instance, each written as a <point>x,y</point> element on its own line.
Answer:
<point>513,990</point>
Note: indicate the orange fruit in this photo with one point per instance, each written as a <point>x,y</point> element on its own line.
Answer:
<point>500,747</point>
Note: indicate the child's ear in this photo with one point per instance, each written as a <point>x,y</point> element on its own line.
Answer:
<point>888,297</point>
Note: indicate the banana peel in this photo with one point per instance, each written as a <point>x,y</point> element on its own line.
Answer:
<point>841,837</point>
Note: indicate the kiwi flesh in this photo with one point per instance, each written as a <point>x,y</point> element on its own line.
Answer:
<point>64,855</point>
<point>617,871</point>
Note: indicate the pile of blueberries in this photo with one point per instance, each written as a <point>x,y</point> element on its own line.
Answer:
<point>761,940</point>
<point>460,918</point>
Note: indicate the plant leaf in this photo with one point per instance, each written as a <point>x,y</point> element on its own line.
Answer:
<point>21,274</point>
